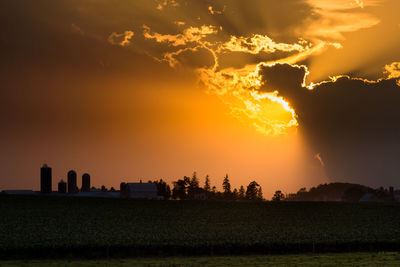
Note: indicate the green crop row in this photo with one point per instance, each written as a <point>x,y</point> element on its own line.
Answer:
<point>104,227</point>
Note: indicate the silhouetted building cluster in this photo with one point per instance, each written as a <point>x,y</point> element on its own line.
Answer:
<point>189,188</point>
<point>70,187</point>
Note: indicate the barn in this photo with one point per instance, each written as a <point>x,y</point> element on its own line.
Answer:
<point>139,190</point>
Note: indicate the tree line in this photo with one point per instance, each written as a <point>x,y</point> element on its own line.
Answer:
<point>188,188</point>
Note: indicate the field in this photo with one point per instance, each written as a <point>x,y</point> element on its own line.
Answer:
<point>311,260</point>
<point>47,227</point>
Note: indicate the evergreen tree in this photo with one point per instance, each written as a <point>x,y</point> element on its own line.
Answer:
<point>207,185</point>
<point>226,185</point>
<point>194,182</point>
<point>193,185</point>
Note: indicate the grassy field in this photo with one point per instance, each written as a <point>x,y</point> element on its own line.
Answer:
<point>344,259</point>
<point>47,227</point>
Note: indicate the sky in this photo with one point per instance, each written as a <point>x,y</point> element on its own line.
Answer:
<point>290,94</point>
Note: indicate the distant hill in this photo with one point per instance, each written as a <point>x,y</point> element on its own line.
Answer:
<point>331,192</point>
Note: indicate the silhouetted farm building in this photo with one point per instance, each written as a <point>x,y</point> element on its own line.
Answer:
<point>85,182</point>
<point>139,190</point>
<point>45,179</point>
<point>19,192</point>
<point>62,187</point>
<point>72,188</point>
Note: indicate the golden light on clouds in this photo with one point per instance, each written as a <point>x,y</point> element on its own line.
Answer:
<point>393,71</point>
<point>161,4</point>
<point>240,89</point>
<point>122,39</point>
<point>189,35</point>
<point>239,86</point>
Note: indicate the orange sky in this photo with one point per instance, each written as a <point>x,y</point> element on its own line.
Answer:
<point>159,89</point>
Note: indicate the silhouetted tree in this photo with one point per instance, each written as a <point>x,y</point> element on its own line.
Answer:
<point>193,185</point>
<point>291,197</point>
<point>252,190</point>
<point>331,192</point>
<point>278,196</point>
<point>353,194</point>
<point>194,182</point>
<point>112,189</point>
<point>163,189</point>
<point>103,188</point>
<point>180,188</point>
<point>235,194</point>
<point>241,192</point>
<point>207,185</point>
<point>226,186</point>
<point>260,194</point>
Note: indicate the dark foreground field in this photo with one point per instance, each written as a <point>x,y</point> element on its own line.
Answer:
<point>48,227</point>
<point>307,260</point>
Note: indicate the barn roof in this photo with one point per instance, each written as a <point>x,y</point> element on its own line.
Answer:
<point>144,187</point>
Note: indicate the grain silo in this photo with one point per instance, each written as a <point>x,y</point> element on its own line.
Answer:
<point>85,182</point>
<point>62,187</point>
<point>45,179</point>
<point>72,182</point>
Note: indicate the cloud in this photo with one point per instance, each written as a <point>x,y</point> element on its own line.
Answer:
<point>122,39</point>
<point>353,124</point>
<point>76,29</point>
<point>209,37</point>
<point>189,35</point>
<point>214,12</point>
<point>393,70</point>
<point>261,43</point>
<point>161,4</point>
<point>238,87</point>
<point>359,3</point>
<point>269,113</point>
<point>179,23</point>
<point>191,40</point>
<point>192,57</point>
<point>268,104</point>
<point>334,18</point>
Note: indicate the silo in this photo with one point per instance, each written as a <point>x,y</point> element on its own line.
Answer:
<point>62,187</point>
<point>72,182</point>
<point>85,182</point>
<point>45,179</point>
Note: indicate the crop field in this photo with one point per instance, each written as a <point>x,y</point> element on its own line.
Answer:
<point>305,260</point>
<point>46,227</point>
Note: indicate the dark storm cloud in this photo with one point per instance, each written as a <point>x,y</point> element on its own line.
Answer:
<point>353,124</point>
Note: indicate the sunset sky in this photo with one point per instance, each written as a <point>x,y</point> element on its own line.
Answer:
<point>288,93</point>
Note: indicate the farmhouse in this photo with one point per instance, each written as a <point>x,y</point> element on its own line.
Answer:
<point>139,190</point>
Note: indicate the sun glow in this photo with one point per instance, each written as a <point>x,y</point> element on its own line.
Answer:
<point>268,112</point>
